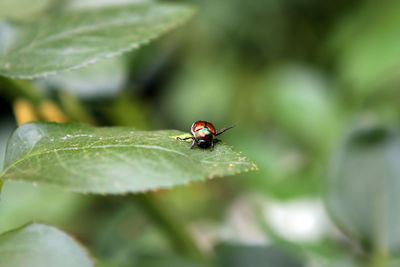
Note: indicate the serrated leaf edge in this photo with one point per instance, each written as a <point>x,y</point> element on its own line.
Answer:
<point>134,46</point>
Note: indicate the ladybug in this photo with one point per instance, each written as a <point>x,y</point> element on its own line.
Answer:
<point>204,134</point>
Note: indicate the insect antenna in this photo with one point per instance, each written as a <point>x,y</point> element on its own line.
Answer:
<point>225,129</point>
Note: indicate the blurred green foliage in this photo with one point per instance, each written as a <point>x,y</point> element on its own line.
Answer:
<point>313,88</point>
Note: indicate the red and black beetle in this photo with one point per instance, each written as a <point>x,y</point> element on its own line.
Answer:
<point>204,134</point>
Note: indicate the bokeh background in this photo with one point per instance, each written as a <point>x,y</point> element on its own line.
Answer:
<point>295,76</point>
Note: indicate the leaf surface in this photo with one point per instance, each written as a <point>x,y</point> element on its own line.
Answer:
<point>104,79</point>
<point>76,35</point>
<point>38,245</point>
<point>363,188</point>
<point>12,8</point>
<point>114,159</point>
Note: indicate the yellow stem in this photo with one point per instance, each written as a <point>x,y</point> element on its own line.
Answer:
<point>24,111</point>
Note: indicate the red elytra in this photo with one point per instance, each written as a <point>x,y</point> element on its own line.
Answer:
<point>198,125</point>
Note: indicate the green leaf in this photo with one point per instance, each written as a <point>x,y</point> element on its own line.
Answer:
<point>363,188</point>
<point>76,36</point>
<point>112,160</point>
<point>170,260</point>
<point>21,203</point>
<point>103,79</point>
<point>234,255</point>
<point>301,102</point>
<point>367,44</point>
<point>38,245</point>
<point>6,128</point>
<point>13,8</point>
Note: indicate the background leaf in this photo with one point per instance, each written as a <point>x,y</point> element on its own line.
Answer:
<point>22,203</point>
<point>13,8</point>
<point>112,160</point>
<point>100,80</point>
<point>6,128</point>
<point>231,255</point>
<point>366,48</point>
<point>74,36</point>
<point>363,188</point>
<point>37,245</point>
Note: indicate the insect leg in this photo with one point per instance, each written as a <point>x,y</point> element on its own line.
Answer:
<point>186,138</point>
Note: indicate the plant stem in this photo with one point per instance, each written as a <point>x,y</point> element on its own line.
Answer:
<point>24,111</point>
<point>1,184</point>
<point>177,231</point>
